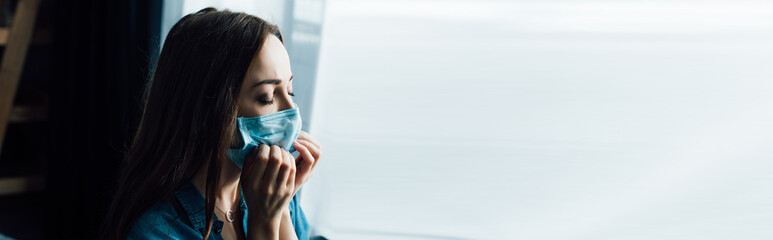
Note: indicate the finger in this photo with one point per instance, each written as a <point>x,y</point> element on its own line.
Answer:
<point>275,162</point>
<point>285,169</point>
<point>291,173</point>
<point>315,152</point>
<point>306,136</point>
<point>308,159</point>
<point>288,157</point>
<point>284,173</point>
<point>291,180</point>
<point>263,157</point>
<point>258,160</point>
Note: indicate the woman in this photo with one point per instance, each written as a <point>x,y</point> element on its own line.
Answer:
<point>214,140</point>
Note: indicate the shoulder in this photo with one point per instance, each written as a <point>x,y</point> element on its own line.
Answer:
<point>162,221</point>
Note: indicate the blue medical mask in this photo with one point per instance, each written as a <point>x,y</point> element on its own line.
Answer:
<point>280,128</point>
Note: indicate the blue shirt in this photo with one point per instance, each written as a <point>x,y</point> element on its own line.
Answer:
<point>187,220</point>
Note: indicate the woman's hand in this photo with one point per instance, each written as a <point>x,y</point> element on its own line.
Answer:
<point>309,151</point>
<point>268,183</point>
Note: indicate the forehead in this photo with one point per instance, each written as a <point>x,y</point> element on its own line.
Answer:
<point>272,62</point>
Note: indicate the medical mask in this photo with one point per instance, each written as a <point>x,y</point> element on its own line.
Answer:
<point>280,128</point>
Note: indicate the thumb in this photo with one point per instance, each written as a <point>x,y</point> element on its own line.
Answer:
<point>249,162</point>
<point>305,160</point>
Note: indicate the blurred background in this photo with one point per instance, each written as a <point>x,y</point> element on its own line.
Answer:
<point>518,119</point>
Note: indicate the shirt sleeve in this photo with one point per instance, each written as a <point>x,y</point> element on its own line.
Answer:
<point>300,223</point>
<point>162,222</point>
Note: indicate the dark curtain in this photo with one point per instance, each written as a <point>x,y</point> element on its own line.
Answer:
<point>102,51</point>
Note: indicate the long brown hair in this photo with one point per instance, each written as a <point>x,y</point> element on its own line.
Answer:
<point>189,113</point>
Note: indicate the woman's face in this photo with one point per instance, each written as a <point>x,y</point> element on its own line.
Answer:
<point>267,87</point>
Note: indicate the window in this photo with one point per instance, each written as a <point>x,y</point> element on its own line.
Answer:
<point>544,120</point>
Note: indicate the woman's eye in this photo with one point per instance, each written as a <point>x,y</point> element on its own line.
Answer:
<point>264,100</point>
<point>292,94</point>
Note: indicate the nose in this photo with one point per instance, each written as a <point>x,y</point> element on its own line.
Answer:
<point>286,102</point>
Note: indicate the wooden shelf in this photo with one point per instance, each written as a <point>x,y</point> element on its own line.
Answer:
<point>21,184</point>
<point>39,36</point>
<point>28,113</point>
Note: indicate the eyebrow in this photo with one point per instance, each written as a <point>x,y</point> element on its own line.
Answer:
<point>270,81</point>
